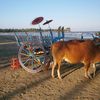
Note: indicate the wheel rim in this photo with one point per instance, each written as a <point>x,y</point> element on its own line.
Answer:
<point>31,60</point>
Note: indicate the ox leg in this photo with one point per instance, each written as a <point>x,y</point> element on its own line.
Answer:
<point>58,70</point>
<point>53,67</point>
<point>87,73</point>
<point>94,67</point>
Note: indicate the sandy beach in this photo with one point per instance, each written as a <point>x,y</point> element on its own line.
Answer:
<point>21,85</point>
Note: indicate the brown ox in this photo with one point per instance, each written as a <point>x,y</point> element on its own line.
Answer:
<point>75,51</point>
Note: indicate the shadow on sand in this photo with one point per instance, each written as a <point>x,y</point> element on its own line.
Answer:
<point>23,89</point>
<point>75,93</point>
<point>32,84</point>
<point>67,69</point>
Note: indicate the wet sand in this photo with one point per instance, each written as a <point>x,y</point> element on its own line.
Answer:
<point>21,85</point>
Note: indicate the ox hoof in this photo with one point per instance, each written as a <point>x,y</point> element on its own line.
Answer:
<point>60,78</point>
<point>93,75</point>
<point>88,77</point>
<point>53,77</point>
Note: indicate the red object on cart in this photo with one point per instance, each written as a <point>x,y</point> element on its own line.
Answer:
<point>37,20</point>
<point>15,63</point>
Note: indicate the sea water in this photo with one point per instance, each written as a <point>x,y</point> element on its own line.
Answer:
<point>68,35</point>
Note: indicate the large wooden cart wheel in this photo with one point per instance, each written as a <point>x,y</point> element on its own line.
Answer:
<point>31,58</point>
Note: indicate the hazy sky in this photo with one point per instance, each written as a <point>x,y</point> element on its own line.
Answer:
<point>79,15</point>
